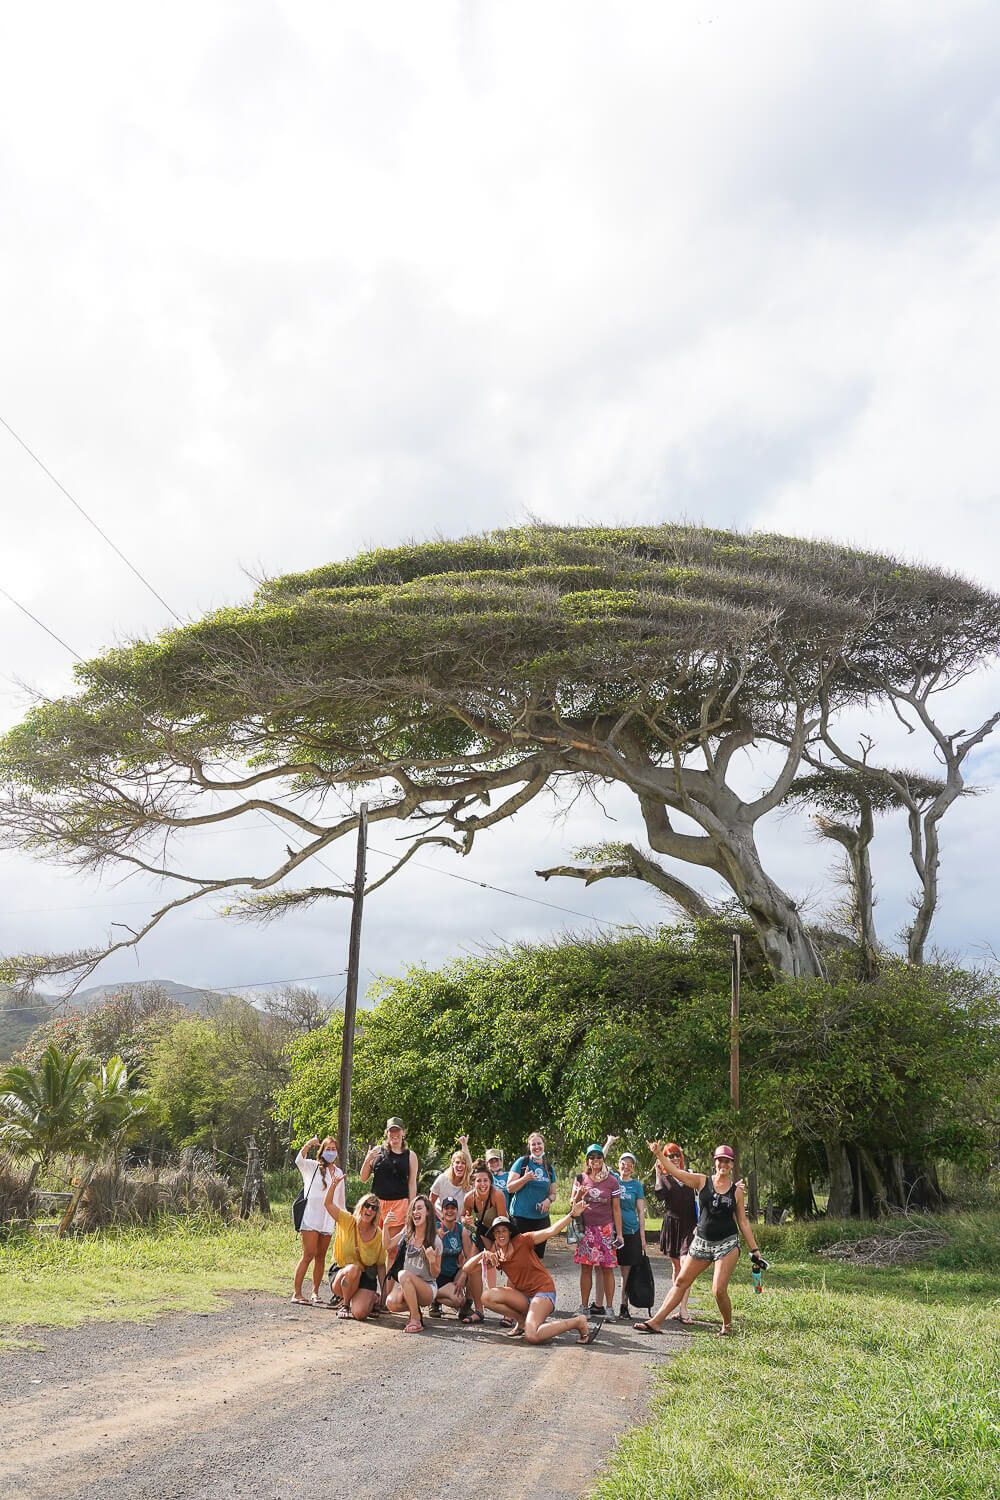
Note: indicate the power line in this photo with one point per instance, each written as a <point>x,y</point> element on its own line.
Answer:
<point>40,623</point>
<point>90,520</point>
<point>449,874</point>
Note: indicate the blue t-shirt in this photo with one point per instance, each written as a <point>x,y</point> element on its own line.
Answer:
<point>526,1202</point>
<point>632,1191</point>
<point>500,1181</point>
<point>451,1249</point>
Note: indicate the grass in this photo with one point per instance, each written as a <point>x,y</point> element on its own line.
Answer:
<point>130,1274</point>
<point>844,1381</point>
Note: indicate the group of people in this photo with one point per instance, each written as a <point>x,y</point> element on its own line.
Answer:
<point>403,1251</point>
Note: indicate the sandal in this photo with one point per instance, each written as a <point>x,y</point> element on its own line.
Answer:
<point>345,1312</point>
<point>507,1323</point>
<point>592,1333</point>
<point>646,1327</point>
<point>685,1316</point>
<point>474,1317</point>
<point>726,1333</point>
<point>517,1332</point>
<point>301,1301</point>
<point>413,1327</point>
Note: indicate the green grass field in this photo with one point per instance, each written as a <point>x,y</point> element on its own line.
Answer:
<point>131,1273</point>
<point>851,1382</point>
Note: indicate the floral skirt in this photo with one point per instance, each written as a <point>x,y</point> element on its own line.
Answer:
<point>597,1248</point>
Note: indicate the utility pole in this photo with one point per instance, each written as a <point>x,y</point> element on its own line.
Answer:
<point>734,1028</point>
<point>351,993</point>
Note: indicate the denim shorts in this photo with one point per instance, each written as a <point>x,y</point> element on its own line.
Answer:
<point>701,1249</point>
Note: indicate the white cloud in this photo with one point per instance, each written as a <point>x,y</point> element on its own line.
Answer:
<point>280,281</point>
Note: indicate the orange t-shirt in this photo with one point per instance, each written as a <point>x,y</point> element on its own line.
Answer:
<point>523,1269</point>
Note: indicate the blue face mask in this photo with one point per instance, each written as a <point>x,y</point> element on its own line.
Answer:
<point>329,1156</point>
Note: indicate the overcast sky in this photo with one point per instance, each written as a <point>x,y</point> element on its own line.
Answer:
<point>282,281</point>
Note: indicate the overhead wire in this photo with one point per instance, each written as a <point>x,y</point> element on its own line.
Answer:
<point>449,874</point>
<point>89,519</point>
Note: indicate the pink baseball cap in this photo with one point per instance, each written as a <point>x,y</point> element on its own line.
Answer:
<point>726,1151</point>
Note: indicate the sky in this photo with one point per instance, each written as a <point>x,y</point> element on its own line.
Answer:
<point>280,282</point>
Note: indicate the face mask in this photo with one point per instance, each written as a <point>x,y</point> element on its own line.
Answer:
<point>329,1156</point>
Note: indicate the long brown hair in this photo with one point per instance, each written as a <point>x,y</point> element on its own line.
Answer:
<point>430,1222</point>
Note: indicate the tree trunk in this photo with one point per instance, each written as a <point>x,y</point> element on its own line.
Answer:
<point>35,1169</point>
<point>841,1199</point>
<point>789,949</point>
<point>878,1197</point>
<point>803,1202</point>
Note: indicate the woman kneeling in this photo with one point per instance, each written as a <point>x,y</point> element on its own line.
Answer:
<point>417,1285</point>
<point>360,1254</point>
<point>529,1298</point>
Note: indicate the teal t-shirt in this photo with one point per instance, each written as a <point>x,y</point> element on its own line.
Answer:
<point>632,1191</point>
<point>451,1249</point>
<point>525,1203</point>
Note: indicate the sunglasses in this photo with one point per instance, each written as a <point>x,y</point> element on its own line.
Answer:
<point>370,1208</point>
<point>674,1156</point>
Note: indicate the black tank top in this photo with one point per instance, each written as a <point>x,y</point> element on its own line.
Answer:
<point>717,1220</point>
<point>391,1174</point>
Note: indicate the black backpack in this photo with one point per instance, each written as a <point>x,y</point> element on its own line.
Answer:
<point>641,1286</point>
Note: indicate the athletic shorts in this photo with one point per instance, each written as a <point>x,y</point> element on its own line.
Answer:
<point>631,1252</point>
<point>713,1249</point>
<point>392,1211</point>
<point>597,1248</point>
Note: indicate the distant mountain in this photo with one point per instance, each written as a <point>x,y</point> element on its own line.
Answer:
<point>203,1002</point>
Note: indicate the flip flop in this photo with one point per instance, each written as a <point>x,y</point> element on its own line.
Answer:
<point>412,1327</point>
<point>517,1332</point>
<point>646,1327</point>
<point>726,1333</point>
<point>592,1333</point>
<point>301,1301</point>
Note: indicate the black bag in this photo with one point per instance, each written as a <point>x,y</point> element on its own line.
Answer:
<point>641,1286</point>
<point>299,1206</point>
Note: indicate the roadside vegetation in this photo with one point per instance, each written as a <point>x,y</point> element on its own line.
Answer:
<point>866,1382</point>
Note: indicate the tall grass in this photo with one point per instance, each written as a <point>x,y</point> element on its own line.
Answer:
<point>850,1381</point>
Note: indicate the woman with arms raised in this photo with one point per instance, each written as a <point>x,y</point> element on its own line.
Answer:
<point>680,1220</point>
<point>716,1241</point>
<point>360,1253</point>
<point>320,1178</point>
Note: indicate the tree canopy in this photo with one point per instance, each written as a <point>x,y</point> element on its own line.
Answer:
<point>452,682</point>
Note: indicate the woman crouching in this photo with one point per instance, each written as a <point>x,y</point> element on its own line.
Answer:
<point>360,1254</point>
<point>529,1298</point>
<point>417,1286</point>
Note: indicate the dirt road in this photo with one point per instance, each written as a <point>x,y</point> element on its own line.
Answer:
<point>270,1401</point>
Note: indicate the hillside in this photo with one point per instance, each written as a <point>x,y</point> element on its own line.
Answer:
<point>19,1017</point>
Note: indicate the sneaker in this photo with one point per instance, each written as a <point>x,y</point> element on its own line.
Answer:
<point>435,1310</point>
<point>583,1311</point>
<point>597,1310</point>
<point>623,1313</point>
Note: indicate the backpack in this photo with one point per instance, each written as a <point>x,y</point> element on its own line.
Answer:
<point>641,1285</point>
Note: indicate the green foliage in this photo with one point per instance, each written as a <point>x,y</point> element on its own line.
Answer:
<point>43,1109</point>
<point>631,1036</point>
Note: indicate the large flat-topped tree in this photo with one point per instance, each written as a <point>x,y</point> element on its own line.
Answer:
<point>451,682</point>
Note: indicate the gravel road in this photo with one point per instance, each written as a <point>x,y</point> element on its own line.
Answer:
<point>265,1400</point>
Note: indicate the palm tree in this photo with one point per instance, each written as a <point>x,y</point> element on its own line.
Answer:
<point>42,1107</point>
<point>110,1109</point>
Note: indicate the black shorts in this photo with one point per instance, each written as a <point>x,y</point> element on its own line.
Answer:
<point>528,1226</point>
<point>631,1252</point>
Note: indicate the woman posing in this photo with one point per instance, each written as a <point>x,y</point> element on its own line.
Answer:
<point>360,1253</point>
<point>633,1209</point>
<point>680,1218</point>
<point>598,1197</point>
<point>393,1170</point>
<point>484,1204</point>
<point>716,1241</point>
<point>319,1178</point>
<point>417,1286</point>
<point>529,1298</point>
<point>455,1181</point>
<point>532,1188</point>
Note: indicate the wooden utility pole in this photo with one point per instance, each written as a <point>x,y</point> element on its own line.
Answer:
<point>351,993</point>
<point>734,1027</point>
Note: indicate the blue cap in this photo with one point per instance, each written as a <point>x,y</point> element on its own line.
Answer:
<point>595,1150</point>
